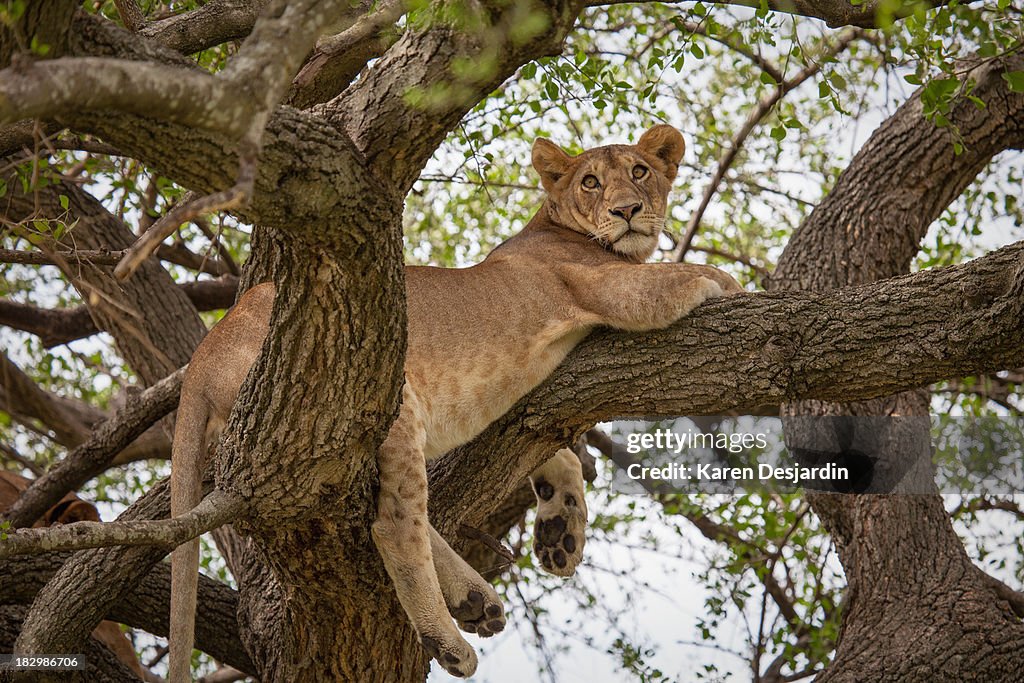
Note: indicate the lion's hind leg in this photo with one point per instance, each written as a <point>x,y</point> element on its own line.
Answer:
<point>470,598</point>
<point>401,534</point>
<point>560,531</point>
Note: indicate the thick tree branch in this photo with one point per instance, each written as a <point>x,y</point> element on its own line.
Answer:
<point>98,452</point>
<point>338,60</point>
<point>206,161</point>
<point>260,73</point>
<point>101,664</point>
<point>67,87</point>
<point>900,181</point>
<point>1014,598</point>
<point>48,22</point>
<point>131,14</point>
<point>750,350</point>
<point>869,227</point>
<point>67,609</point>
<point>208,25</point>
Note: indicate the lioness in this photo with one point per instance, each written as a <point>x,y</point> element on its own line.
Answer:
<point>479,339</point>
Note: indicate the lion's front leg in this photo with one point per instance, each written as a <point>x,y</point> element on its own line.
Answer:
<point>560,531</point>
<point>647,296</point>
<point>401,533</point>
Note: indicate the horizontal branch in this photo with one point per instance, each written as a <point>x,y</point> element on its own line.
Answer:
<point>745,351</point>
<point>57,88</point>
<point>98,452</point>
<point>215,510</point>
<point>206,26</point>
<point>97,257</point>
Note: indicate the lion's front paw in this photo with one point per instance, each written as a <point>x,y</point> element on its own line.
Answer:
<point>560,531</point>
<point>481,612</point>
<point>453,653</point>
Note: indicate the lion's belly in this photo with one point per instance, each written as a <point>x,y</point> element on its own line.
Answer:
<point>461,396</point>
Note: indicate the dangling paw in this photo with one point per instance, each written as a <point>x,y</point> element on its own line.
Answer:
<point>560,530</point>
<point>480,613</point>
<point>454,655</point>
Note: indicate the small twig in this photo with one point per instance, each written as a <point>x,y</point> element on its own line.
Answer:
<point>218,244</point>
<point>489,541</point>
<point>736,258</point>
<point>189,208</point>
<point>217,509</point>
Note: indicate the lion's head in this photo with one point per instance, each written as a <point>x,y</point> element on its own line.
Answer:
<point>616,194</point>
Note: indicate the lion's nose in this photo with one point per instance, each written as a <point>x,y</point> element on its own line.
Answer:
<point>626,212</point>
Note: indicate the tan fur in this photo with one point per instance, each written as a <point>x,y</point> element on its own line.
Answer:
<point>71,509</point>
<point>479,339</point>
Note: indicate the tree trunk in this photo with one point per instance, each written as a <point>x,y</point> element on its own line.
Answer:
<point>917,609</point>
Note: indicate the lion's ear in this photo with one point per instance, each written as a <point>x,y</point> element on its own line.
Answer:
<point>664,143</point>
<point>551,162</point>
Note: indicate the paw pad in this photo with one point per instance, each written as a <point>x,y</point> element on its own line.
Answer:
<point>479,614</point>
<point>557,546</point>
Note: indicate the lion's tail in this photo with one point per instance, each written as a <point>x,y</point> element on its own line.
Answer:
<point>187,458</point>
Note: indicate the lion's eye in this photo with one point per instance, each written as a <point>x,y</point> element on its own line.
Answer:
<point>639,171</point>
<point>590,182</point>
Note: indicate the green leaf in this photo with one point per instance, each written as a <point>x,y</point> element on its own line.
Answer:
<point>64,203</point>
<point>779,133</point>
<point>529,70</point>
<point>1015,79</point>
